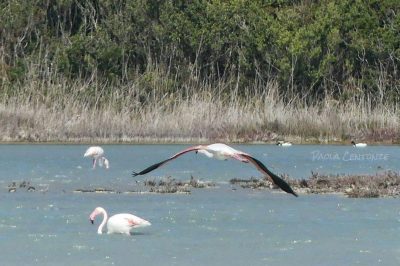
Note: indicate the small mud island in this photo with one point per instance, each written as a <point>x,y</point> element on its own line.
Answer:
<point>161,186</point>
<point>385,184</point>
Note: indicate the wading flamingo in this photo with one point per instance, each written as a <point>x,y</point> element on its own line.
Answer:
<point>121,223</point>
<point>359,145</point>
<point>223,152</point>
<point>97,152</point>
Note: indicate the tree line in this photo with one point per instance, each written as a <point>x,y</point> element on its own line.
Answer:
<point>312,49</point>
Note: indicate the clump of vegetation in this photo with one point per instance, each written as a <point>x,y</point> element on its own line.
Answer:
<point>252,183</point>
<point>95,190</point>
<point>171,185</point>
<point>24,186</point>
<point>355,186</point>
<point>165,185</point>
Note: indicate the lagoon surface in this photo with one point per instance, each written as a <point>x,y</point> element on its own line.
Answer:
<point>224,225</point>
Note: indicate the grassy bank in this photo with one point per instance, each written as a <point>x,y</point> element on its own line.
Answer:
<point>152,109</point>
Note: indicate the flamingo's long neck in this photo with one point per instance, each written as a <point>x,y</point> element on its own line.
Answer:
<point>105,217</point>
<point>105,162</point>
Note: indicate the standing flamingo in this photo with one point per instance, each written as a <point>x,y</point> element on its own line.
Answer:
<point>97,152</point>
<point>121,223</point>
<point>223,152</point>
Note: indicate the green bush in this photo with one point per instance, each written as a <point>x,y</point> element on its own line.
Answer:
<point>312,48</point>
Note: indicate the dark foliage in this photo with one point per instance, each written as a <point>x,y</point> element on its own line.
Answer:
<point>340,48</point>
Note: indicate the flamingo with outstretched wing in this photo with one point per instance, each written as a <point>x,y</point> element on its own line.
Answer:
<point>222,151</point>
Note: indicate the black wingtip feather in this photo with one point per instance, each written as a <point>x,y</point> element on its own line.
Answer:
<point>150,168</point>
<point>283,185</point>
<point>276,179</point>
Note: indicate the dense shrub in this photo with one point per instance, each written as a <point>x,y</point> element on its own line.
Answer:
<point>339,48</point>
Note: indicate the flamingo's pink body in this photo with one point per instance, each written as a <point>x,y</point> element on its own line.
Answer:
<point>97,153</point>
<point>121,223</point>
<point>222,151</point>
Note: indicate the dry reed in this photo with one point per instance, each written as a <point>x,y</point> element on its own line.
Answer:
<point>153,109</point>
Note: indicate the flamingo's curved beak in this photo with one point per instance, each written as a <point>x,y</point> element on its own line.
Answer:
<point>92,221</point>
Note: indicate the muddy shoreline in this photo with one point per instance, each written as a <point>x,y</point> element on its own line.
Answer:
<point>190,141</point>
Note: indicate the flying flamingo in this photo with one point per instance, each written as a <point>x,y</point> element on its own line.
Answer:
<point>223,152</point>
<point>121,223</point>
<point>97,152</point>
<point>358,145</point>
